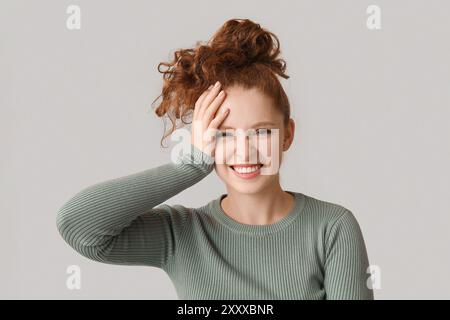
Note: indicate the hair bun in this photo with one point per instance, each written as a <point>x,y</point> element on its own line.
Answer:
<point>241,42</point>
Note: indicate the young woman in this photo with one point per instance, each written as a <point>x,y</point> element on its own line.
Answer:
<point>257,241</point>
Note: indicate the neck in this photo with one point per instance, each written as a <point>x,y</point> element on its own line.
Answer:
<point>264,207</point>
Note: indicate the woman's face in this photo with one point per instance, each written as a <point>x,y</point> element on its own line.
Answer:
<point>244,139</point>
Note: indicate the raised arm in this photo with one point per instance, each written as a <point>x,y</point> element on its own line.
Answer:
<point>118,221</point>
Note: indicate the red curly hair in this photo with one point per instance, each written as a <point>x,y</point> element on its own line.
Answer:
<point>239,53</point>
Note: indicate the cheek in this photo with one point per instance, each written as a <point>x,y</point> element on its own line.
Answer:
<point>224,173</point>
<point>269,147</point>
<point>224,151</point>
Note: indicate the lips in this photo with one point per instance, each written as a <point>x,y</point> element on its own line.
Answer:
<point>246,165</point>
<point>246,173</point>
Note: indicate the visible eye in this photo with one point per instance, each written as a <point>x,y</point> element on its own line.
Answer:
<point>263,131</point>
<point>223,134</point>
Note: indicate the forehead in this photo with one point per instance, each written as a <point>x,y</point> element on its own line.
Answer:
<point>247,108</point>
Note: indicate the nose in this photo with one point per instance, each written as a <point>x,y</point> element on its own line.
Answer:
<point>246,149</point>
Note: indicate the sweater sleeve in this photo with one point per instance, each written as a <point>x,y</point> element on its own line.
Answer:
<point>346,261</point>
<point>118,221</point>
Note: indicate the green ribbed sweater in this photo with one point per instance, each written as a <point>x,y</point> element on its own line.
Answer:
<point>317,251</point>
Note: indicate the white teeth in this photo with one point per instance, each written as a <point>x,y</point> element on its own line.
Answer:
<point>246,169</point>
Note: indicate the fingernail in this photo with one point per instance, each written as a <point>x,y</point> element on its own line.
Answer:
<point>210,87</point>
<point>221,93</point>
<point>217,84</point>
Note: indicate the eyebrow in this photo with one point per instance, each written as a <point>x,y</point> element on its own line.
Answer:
<point>261,123</point>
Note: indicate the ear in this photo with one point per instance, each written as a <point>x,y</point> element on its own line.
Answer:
<point>289,131</point>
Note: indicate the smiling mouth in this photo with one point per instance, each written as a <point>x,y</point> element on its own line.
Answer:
<point>246,169</point>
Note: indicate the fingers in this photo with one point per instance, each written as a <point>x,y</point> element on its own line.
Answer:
<point>206,119</point>
<point>209,98</point>
<point>214,106</point>
<point>199,101</point>
<point>219,118</point>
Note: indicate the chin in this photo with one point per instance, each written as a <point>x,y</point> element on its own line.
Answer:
<point>246,189</point>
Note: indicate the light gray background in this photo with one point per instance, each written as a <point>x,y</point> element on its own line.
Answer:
<point>371,107</point>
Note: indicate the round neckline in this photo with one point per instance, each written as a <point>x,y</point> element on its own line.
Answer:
<point>259,229</point>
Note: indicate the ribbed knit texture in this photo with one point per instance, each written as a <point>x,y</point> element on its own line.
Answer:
<point>317,251</point>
